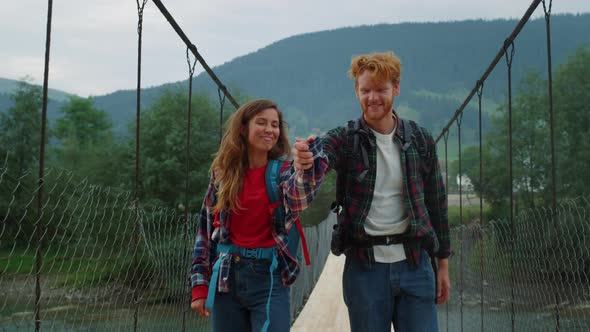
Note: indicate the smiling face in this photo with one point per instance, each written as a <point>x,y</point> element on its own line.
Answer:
<point>263,131</point>
<point>376,97</point>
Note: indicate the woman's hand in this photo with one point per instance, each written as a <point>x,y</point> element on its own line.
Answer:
<point>198,305</point>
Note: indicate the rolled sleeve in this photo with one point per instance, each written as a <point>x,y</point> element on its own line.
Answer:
<point>303,185</point>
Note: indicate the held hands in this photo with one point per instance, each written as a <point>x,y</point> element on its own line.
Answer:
<point>198,305</point>
<point>302,157</point>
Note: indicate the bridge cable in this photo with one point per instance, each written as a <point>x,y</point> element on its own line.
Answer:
<point>492,65</point>
<point>191,71</point>
<point>193,49</point>
<point>140,8</point>
<point>39,224</point>
<point>509,56</point>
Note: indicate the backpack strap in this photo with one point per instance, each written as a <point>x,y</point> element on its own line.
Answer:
<point>273,172</point>
<point>352,146</point>
<point>272,176</point>
<point>408,134</point>
<point>414,135</point>
<point>352,141</point>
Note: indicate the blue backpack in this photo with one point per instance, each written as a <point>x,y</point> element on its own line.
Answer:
<point>272,175</point>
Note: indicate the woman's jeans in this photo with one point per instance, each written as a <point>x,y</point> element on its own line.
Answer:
<point>244,307</point>
<point>390,293</point>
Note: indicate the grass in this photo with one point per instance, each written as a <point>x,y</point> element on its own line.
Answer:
<point>18,261</point>
<point>63,267</point>
<point>470,214</point>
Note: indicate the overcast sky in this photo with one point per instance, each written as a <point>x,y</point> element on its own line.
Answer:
<point>94,43</point>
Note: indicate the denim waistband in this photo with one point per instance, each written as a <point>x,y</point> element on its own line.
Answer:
<point>252,253</point>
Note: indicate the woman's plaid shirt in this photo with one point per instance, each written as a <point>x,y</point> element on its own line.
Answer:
<point>297,190</point>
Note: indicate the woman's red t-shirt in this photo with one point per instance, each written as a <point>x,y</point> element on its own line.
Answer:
<point>250,225</point>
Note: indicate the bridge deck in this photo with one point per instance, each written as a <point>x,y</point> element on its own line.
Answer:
<point>325,309</point>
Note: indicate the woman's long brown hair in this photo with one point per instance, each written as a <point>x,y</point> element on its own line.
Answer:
<point>231,160</point>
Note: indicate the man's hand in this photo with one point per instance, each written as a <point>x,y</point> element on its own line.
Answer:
<point>198,305</point>
<point>442,281</point>
<point>302,157</point>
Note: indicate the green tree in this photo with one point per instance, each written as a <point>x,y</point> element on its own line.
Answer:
<point>87,146</point>
<point>163,148</point>
<point>20,128</point>
<point>20,138</point>
<point>572,112</point>
<point>83,123</point>
<point>532,173</point>
<point>531,141</point>
<point>529,146</point>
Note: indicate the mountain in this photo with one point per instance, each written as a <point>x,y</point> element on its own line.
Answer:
<point>7,86</point>
<point>306,74</point>
<point>441,62</point>
<point>57,98</point>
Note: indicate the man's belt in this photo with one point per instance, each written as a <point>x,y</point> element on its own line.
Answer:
<point>386,240</point>
<point>383,240</point>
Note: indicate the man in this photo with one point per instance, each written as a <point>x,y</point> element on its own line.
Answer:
<point>393,206</point>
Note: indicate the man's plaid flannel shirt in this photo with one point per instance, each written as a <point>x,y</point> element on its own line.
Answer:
<point>296,190</point>
<point>425,198</point>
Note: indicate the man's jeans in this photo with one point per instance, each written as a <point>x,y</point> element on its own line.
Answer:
<point>390,293</point>
<point>244,307</point>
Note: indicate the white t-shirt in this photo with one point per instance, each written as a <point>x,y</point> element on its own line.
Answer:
<point>388,214</point>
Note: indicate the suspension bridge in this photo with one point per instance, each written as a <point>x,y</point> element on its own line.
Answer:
<point>79,256</point>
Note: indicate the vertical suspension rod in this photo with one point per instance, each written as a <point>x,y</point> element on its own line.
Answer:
<point>556,243</point>
<point>462,253</point>
<point>140,7</point>
<point>191,69</point>
<point>481,246</point>
<point>41,180</point>
<point>509,57</point>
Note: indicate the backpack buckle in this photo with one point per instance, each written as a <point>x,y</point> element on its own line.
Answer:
<point>406,146</point>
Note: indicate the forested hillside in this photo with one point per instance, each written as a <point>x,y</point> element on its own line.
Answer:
<point>306,74</point>
<point>441,62</point>
<point>95,137</point>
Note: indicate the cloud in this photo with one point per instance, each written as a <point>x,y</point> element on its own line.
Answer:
<point>94,44</point>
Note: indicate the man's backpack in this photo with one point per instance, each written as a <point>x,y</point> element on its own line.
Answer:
<point>272,175</point>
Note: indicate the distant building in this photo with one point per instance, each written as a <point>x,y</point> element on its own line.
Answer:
<point>465,182</point>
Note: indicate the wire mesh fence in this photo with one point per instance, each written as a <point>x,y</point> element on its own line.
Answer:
<point>548,286</point>
<point>318,241</point>
<point>100,269</point>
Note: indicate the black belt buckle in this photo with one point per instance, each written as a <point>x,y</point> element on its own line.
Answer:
<point>388,240</point>
<point>392,239</point>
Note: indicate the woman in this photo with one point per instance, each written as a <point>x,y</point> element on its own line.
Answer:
<point>241,267</point>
